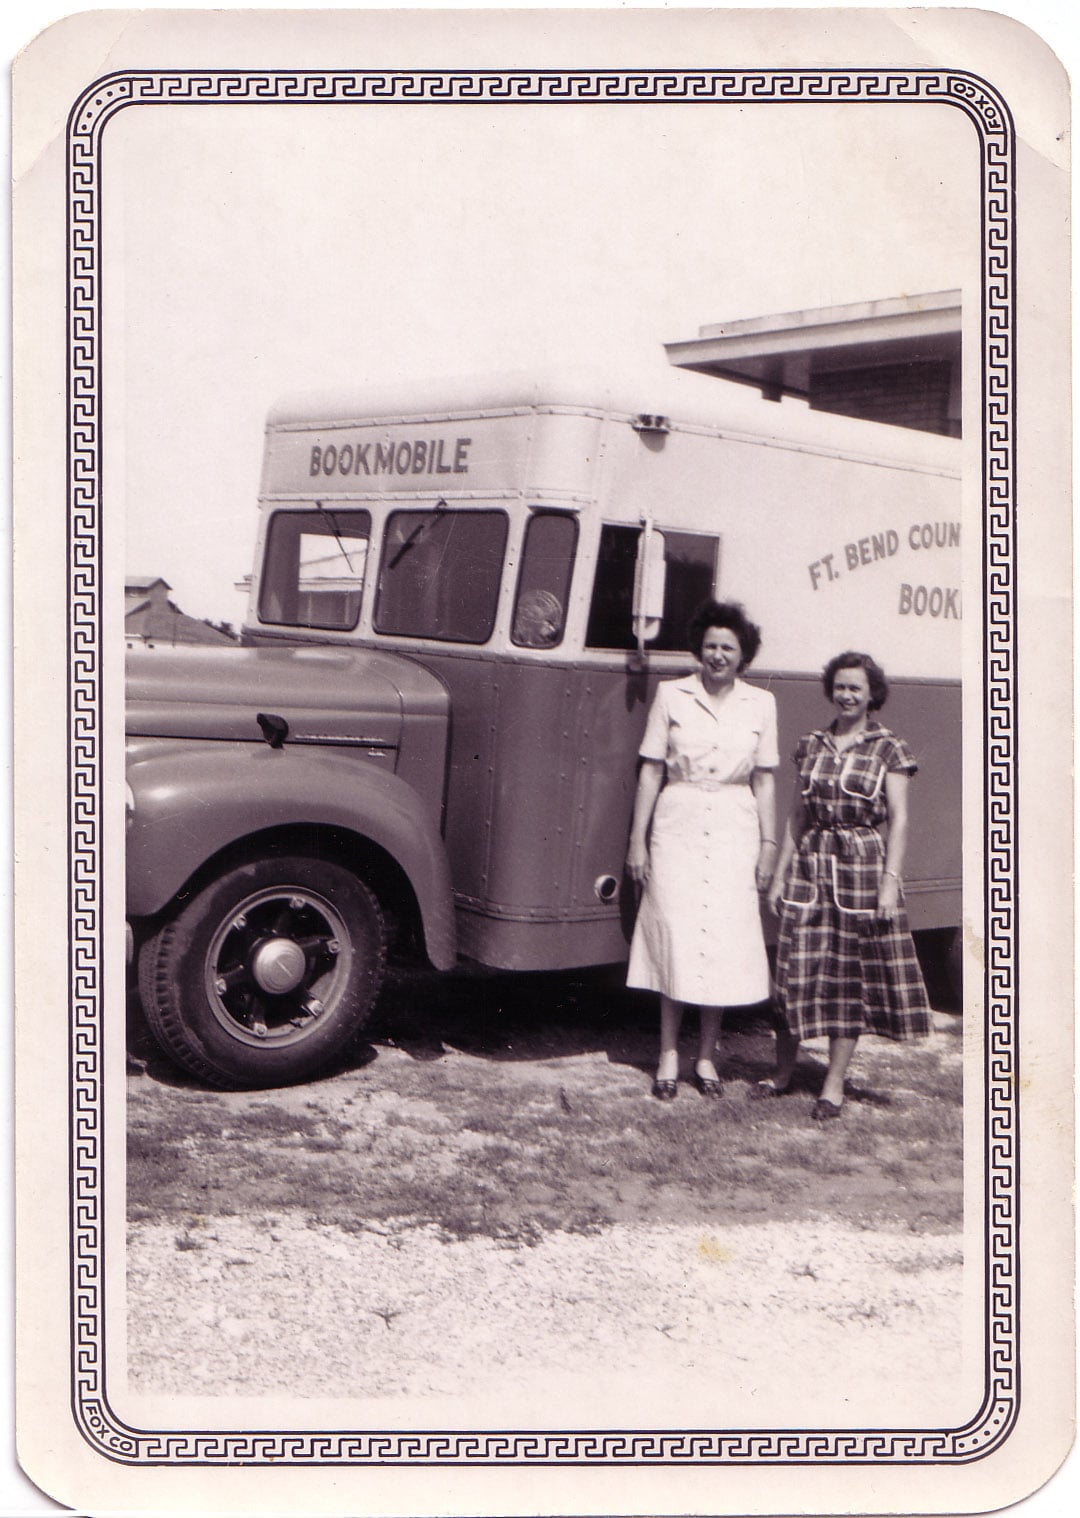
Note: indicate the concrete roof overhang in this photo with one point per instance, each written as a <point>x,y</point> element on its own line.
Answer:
<point>781,355</point>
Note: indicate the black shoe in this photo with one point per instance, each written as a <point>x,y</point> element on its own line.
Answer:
<point>707,1086</point>
<point>762,1090</point>
<point>665,1091</point>
<point>824,1111</point>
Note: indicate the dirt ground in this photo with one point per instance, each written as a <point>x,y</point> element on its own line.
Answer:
<point>483,1215</point>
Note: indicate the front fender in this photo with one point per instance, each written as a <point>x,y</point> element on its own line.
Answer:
<point>193,800</point>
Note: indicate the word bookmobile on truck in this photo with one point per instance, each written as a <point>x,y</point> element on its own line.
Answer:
<point>460,609</point>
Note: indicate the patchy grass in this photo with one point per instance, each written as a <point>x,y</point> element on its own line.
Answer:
<point>476,1115</point>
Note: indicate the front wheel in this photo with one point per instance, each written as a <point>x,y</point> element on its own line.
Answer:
<point>267,974</point>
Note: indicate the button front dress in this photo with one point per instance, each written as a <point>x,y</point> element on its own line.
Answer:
<point>842,971</point>
<point>698,936</point>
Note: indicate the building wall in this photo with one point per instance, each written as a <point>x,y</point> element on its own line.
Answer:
<point>906,395</point>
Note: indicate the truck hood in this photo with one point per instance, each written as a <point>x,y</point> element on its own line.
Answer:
<point>326,695</point>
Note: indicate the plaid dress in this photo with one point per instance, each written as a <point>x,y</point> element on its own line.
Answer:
<point>840,970</point>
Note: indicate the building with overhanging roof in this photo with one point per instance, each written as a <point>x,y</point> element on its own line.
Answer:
<point>896,361</point>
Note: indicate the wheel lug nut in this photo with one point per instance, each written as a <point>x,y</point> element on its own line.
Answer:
<point>296,903</point>
<point>333,947</point>
<point>259,1030</point>
<point>219,985</point>
<point>313,1007</point>
<point>240,922</point>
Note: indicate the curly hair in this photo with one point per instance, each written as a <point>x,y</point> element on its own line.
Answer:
<point>879,686</point>
<point>727,614</point>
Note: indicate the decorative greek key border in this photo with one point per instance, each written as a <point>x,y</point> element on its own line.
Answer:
<point>93,1414</point>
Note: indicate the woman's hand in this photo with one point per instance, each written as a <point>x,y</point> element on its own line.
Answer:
<point>766,860</point>
<point>650,779</point>
<point>773,898</point>
<point>637,862</point>
<point>888,896</point>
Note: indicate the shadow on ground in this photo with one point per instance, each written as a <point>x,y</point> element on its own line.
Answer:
<point>505,1016</point>
<point>519,1017</point>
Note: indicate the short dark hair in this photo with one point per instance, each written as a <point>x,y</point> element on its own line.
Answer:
<point>727,614</point>
<point>879,686</point>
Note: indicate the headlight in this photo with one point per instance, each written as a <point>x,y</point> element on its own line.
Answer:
<point>129,806</point>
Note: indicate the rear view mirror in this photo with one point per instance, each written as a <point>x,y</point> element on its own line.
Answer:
<point>650,573</point>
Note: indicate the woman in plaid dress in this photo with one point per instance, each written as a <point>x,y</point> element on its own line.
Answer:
<point>846,963</point>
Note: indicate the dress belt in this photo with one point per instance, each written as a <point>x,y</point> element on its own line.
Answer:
<point>707,785</point>
<point>849,843</point>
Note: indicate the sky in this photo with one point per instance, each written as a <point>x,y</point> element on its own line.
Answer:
<point>253,253</point>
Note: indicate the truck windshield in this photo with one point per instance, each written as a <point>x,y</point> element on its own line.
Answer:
<point>690,560</point>
<point>313,569</point>
<point>440,574</point>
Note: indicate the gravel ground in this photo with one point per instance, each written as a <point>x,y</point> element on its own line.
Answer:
<point>676,1314</point>
<point>635,1324</point>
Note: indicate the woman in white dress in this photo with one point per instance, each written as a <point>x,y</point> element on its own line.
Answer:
<point>703,841</point>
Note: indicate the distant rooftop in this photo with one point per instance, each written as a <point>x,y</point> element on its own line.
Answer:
<point>136,584</point>
<point>896,360</point>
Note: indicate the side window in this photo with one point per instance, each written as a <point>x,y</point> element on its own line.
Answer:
<point>543,588</point>
<point>690,558</point>
<point>613,589</point>
<point>440,574</point>
<point>313,568</point>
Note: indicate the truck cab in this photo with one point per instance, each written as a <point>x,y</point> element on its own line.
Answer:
<point>457,618</point>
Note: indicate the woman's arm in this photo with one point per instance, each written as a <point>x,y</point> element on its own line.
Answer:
<point>896,801</point>
<point>648,788</point>
<point>763,785</point>
<point>793,831</point>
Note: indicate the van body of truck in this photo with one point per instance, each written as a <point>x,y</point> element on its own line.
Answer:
<point>457,619</point>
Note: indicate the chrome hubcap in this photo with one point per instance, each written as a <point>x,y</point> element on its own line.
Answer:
<point>276,965</point>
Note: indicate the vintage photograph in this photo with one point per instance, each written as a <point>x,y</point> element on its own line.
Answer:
<point>552,993</point>
<point>543,544</point>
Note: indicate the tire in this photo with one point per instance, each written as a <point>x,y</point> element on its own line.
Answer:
<point>267,975</point>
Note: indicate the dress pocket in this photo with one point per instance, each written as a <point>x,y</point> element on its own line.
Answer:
<point>855,884</point>
<point>862,775</point>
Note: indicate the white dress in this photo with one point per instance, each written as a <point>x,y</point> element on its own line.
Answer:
<point>698,935</point>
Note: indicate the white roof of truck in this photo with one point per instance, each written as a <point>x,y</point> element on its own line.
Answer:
<point>690,399</point>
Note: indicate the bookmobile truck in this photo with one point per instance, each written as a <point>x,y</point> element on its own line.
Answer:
<point>460,608</point>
